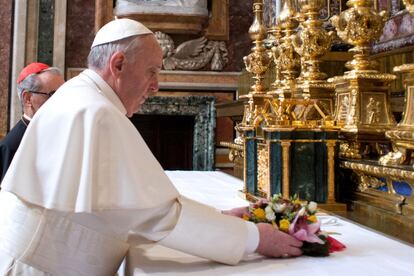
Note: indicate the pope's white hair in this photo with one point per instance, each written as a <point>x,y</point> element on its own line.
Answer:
<point>32,81</point>
<point>100,55</point>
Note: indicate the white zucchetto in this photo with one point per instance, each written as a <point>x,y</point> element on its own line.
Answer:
<point>119,29</point>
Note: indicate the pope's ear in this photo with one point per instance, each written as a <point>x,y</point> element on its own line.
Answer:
<point>117,63</point>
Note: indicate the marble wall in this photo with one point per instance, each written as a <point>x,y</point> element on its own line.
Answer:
<point>239,45</point>
<point>80,32</point>
<point>80,26</point>
<point>6,20</point>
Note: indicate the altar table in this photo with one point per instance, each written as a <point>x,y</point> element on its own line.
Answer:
<point>368,252</point>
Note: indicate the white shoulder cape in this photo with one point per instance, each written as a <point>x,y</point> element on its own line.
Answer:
<point>80,153</point>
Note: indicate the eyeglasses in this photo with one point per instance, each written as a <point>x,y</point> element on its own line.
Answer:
<point>50,94</point>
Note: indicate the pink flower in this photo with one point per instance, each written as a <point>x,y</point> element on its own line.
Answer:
<point>301,230</point>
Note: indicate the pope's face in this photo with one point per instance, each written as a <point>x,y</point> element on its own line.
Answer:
<point>139,78</point>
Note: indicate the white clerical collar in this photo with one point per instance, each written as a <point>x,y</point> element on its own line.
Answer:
<point>27,117</point>
<point>104,88</point>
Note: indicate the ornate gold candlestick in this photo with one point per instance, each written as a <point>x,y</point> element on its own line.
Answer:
<point>402,136</point>
<point>257,62</point>
<point>312,42</point>
<point>276,33</point>
<point>362,108</point>
<point>289,60</point>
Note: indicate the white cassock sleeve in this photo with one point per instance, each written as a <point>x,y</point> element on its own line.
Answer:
<point>203,232</point>
<point>187,226</point>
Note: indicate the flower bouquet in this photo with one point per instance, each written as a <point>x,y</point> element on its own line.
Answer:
<point>298,219</point>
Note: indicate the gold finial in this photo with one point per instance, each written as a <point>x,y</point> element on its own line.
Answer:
<point>289,60</point>
<point>313,41</point>
<point>360,25</point>
<point>257,62</point>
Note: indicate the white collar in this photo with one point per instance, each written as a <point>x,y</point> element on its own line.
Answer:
<point>95,79</point>
<point>27,117</point>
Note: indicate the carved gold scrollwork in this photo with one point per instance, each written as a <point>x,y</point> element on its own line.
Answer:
<point>368,182</point>
<point>312,41</point>
<point>263,171</point>
<point>359,25</point>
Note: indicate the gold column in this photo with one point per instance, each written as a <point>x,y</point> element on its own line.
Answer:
<point>286,168</point>
<point>330,144</point>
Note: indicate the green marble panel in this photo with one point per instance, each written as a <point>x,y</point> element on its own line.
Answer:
<point>251,162</point>
<point>302,170</point>
<point>46,31</point>
<point>275,167</point>
<point>307,163</point>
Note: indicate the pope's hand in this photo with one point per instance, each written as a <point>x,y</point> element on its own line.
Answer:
<point>275,243</point>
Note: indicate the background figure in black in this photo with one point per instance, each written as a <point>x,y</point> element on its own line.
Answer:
<point>35,85</point>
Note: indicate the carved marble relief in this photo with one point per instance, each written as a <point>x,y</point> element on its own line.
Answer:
<point>193,7</point>
<point>193,54</point>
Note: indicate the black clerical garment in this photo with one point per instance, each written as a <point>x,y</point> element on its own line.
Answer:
<point>9,145</point>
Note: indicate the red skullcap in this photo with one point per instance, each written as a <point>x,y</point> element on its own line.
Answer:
<point>32,68</point>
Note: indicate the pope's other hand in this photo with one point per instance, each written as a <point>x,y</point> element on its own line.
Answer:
<point>275,243</point>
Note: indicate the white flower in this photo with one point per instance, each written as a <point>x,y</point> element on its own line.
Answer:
<point>270,215</point>
<point>301,212</point>
<point>279,208</point>
<point>312,206</point>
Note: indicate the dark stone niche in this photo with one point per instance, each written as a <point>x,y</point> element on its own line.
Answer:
<point>204,112</point>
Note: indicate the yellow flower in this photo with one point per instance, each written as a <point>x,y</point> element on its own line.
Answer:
<point>284,225</point>
<point>312,218</point>
<point>259,213</point>
<point>297,201</point>
<point>246,216</point>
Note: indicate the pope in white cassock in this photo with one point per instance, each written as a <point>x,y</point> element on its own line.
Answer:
<point>83,181</point>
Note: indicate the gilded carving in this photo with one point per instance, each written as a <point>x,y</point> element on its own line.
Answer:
<point>369,182</point>
<point>362,111</point>
<point>350,150</point>
<point>263,171</point>
<point>344,106</point>
<point>373,111</point>
<point>380,171</point>
<point>312,42</point>
<point>275,39</point>
<point>359,25</point>
<point>289,60</point>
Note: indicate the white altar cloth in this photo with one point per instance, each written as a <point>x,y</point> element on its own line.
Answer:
<point>367,251</point>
